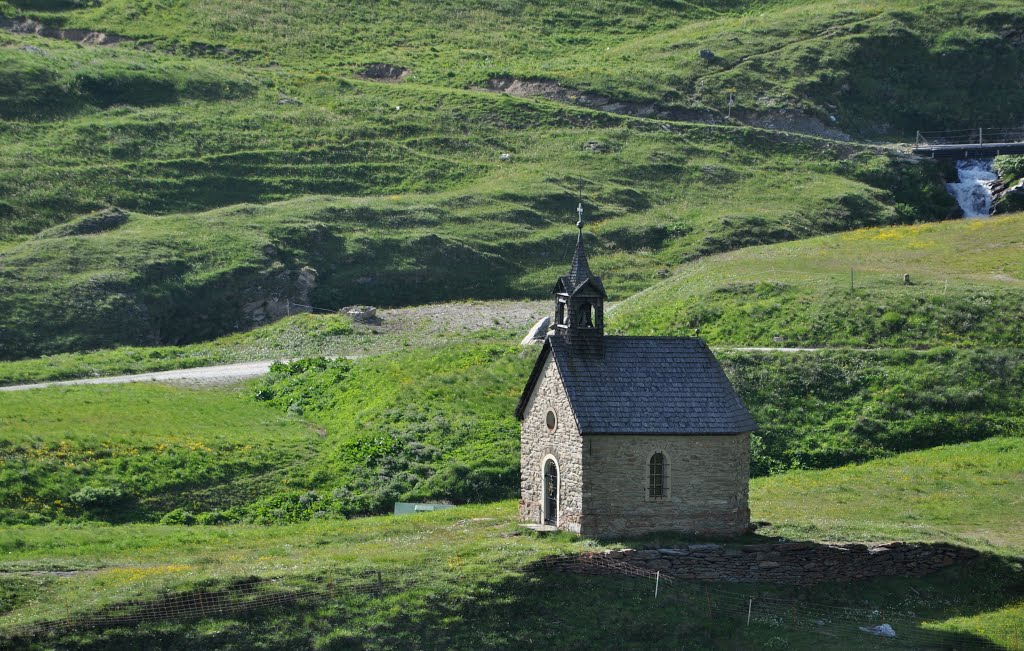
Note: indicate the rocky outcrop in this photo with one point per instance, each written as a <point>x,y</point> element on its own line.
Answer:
<point>277,295</point>
<point>1007,198</point>
<point>802,563</point>
<point>384,72</point>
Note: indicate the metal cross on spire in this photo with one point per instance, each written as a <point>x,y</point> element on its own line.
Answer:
<point>579,208</point>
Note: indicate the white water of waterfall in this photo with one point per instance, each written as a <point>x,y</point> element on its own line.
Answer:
<point>973,192</point>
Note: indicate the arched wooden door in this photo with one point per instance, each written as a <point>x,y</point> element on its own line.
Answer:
<point>551,493</point>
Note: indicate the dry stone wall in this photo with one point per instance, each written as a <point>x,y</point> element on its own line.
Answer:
<point>802,563</point>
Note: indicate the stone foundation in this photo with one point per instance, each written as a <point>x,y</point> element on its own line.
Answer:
<point>801,563</point>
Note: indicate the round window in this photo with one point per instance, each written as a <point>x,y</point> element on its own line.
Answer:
<point>551,420</point>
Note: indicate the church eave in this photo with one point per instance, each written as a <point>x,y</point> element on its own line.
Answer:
<point>538,367</point>
<point>531,384</point>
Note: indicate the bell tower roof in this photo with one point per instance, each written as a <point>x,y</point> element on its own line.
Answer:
<point>579,272</point>
<point>580,297</point>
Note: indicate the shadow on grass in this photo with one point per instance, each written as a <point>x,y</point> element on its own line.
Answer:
<point>490,608</point>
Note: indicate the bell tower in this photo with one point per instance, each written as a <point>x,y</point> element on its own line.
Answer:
<point>580,297</point>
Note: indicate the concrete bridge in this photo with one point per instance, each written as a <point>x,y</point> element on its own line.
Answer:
<point>969,143</point>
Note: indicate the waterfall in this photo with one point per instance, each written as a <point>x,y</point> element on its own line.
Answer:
<point>973,192</point>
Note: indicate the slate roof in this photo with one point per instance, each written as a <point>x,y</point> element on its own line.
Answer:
<point>644,385</point>
<point>579,273</point>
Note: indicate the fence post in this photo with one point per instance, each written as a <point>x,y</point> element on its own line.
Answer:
<point>750,607</point>
<point>979,135</point>
<point>380,585</point>
<point>657,580</point>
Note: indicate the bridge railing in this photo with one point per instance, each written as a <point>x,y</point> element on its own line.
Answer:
<point>979,136</point>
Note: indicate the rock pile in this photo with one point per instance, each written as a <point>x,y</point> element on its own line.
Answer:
<point>384,72</point>
<point>789,563</point>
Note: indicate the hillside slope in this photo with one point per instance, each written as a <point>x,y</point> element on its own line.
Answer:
<point>865,67</point>
<point>966,289</point>
<point>658,197</point>
<point>251,142</point>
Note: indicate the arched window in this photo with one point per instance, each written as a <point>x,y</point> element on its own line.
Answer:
<point>586,314</point>
<point>657,477</point>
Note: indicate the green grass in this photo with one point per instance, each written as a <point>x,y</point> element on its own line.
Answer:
<point>967,290</point>
<point>377,186</point>
<point>502,237</point>
<point>829,408</point>
<point>967,493</point>
<point>868,67</point>
<point>240,167</point>
<point>468,564</point>
<point>141,449</point>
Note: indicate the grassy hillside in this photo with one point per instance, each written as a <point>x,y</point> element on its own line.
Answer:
<point>418,425</point>
<point>119,453</point>
<point>185,277</point>
<point>966,290</point>
<point>224,161</point>
<point>866,67</point>
<point>967,493</point>
<point>301,335</point>
<point>245,152</point>
<point>464,571</point>
<point>429,424</point>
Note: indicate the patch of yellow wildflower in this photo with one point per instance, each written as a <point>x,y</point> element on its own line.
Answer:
<point>196,446</point>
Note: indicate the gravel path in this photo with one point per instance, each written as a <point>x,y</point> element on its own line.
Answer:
<point>203,375</point>
<point>427,321</point>
<point>423,323</point>
<point>228,373</point>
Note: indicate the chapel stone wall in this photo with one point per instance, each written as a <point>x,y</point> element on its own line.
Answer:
<point>707,478</point>
<point>539,442</point>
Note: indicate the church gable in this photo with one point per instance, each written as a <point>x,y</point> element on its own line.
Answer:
<point>541,374</point>
<point>548,394</point>
<point>551,453</point>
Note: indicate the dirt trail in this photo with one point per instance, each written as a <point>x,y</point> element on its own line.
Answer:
<point>83,36</point>
<point>203,375</point>
<point>780,119</point>
<point>433,322</point>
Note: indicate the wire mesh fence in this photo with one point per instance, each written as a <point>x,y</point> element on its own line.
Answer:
<point>250,594</point>
<point>837,626</point>
<point>743,605</point>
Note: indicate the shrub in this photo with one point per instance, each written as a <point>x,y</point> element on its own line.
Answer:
<point>178,516</point>
<point>95,498</point>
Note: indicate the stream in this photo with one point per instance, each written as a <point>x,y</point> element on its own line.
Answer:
<point>973,191</point>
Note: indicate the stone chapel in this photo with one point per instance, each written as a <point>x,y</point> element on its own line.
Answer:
<point>629,435</point>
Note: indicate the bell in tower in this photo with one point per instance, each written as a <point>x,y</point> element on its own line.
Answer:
<point>579,298</point>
